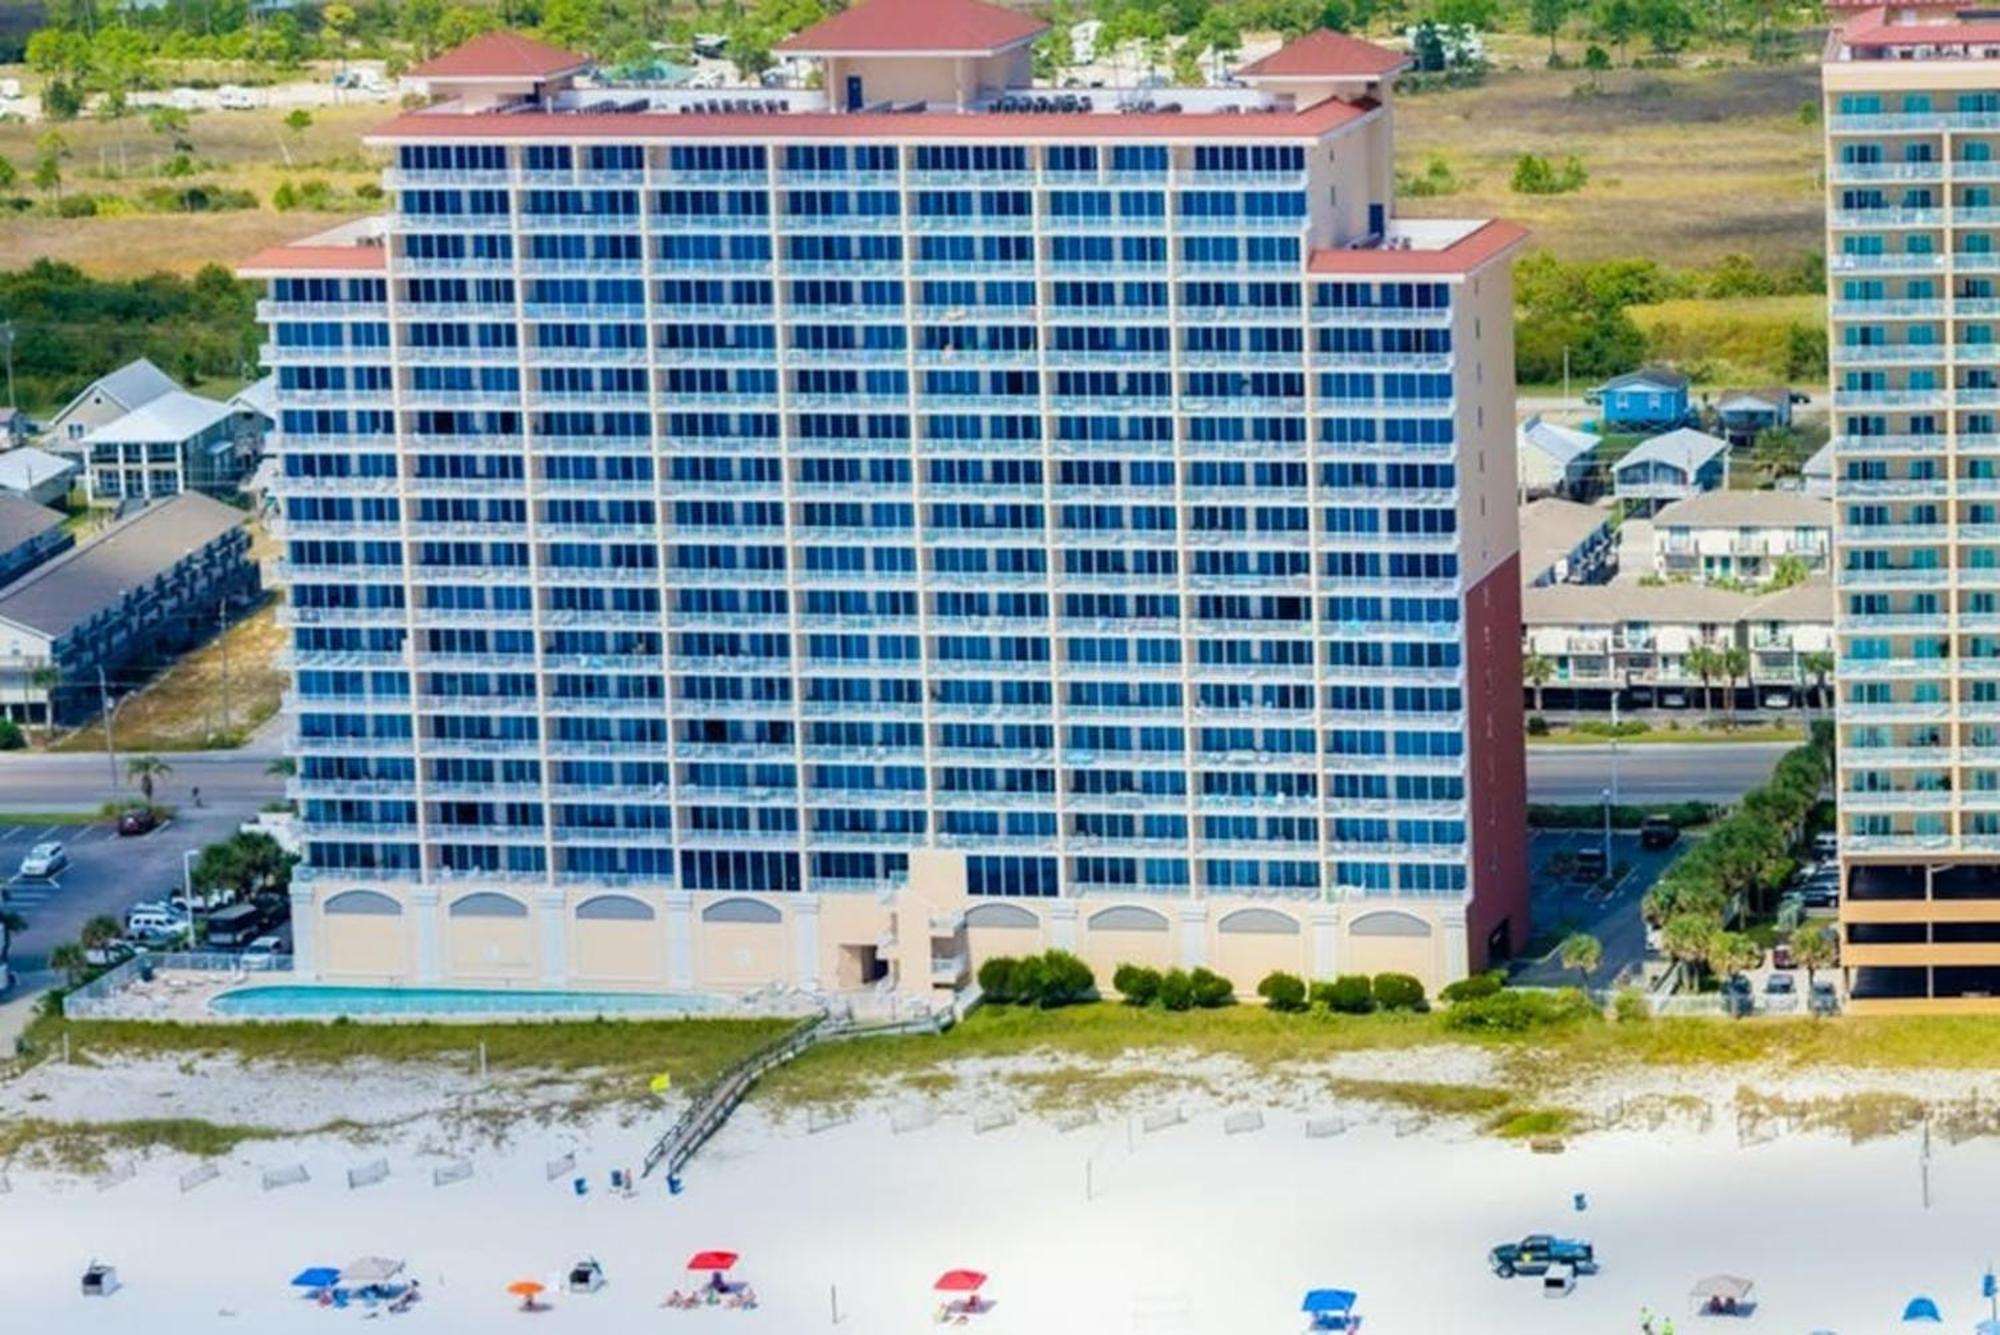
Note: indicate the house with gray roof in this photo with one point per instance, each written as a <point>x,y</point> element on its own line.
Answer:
<point>41,477</point>
<point>29,535</point>
<point>142,590</point>
<point>177,442</point>
<point>1563,542</point>
<point>1555,460</point>
<point>108,398</point>
<point>1818,472</point>
<point>1670,467</point>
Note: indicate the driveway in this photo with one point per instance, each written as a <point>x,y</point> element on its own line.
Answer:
<point>1561,907</point>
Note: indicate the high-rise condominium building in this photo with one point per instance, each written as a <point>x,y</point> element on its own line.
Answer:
<point>702,505</point>
<point>1913,121</point>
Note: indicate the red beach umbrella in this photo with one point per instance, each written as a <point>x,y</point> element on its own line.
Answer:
<point>712,1261</point>
<point>960,1281</point>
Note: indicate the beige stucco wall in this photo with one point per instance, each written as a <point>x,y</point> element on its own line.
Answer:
<point>612,951</point>
<point>478,950</point>
<point>1482,338</point>
<point>1245,957</point>
<point>732,956</point>
<point>365,948</point>
<point>1104,951</point>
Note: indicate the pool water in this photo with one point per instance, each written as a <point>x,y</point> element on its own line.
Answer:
<point>296,1002</point>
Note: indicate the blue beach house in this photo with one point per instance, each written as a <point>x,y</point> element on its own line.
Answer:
<point>1651,398</point>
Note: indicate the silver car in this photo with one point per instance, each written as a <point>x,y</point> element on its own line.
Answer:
<point>44,860</point>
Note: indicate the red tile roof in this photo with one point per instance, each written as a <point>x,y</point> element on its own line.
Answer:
<point>1485,243</point>
<point>500,55</point>
<point>1207,127</point>
<point>314,259</point>
<point>1325,54</point>
<point>907,27</point>
<point>1870,33</point>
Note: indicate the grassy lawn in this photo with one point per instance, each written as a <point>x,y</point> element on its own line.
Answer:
<point>237,149</point>
<point>1686,165</point>
<point>1744,733</point>
<point>1733,342</point>
<point>181,710</point>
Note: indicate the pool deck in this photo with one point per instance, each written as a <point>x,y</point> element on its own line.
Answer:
<point>183,997</point>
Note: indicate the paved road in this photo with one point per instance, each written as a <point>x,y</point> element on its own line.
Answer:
<point>1652,772</point>
<point>229,780</point>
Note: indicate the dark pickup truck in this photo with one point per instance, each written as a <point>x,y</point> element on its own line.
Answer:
<point>1535,1253</point>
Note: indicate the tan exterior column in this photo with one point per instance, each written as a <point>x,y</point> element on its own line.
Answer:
<point>1324,924</point>
<point>553,911</point>
<point>424,908</point>
<point>1062,925</point>
<point>1194,934</point>
<point>805,941</point>
<point>679,913</point>
<point>304,922</point>
<point>1453,966</point>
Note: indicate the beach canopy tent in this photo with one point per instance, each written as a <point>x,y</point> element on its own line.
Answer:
<point>1720,1293</point>
<point>316,1277</point>
<point>1987,1327</point>
<point>712,1261</point>
<point>1330,1309</point>
<point>368,1270</point>
<point>960,1281</point>
<point>1921,1309</point>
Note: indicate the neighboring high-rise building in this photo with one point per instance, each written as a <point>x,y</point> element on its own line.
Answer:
<point>700,506</point>
<point>1912,118</point>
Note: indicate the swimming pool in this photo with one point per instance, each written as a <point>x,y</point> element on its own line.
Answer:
<point>297,1002</point>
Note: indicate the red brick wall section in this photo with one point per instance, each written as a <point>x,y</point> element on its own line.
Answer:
<point>1497,764</point>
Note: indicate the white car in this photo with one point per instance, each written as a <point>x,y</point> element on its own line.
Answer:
<point>263,953</point>
<point>44,860</point>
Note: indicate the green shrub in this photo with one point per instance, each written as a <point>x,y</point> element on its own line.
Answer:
<point>1211,989</point>
<point>1630,1006</point>
<point>1538,176</point>
<point>1057,978</point>
<point>1136,983</point>
<point>1176,990</point>
<point>10,735</point>
<point>1537,726</point>
<point>1349,994</point>
<point>1283,991</point>
<point>76,206</point>
<point>996,979</point>
<point>1398,992</point>
<point>1517,1012</point>
<point>1474,988</point>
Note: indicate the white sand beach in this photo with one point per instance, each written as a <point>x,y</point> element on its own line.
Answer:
<point>1186,1229</point>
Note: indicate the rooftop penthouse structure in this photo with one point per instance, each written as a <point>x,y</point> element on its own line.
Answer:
<point>821,536</point>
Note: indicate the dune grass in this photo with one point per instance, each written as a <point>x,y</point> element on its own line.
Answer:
<point>1686,165</point>
<point>692,1050</point>
<point>1737,341</point>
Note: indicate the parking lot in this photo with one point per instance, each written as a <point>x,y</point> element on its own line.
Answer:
<point>1562,906</point>
<point>106,875</point>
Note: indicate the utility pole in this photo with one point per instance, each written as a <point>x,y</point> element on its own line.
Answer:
<point>222,633</point>
<point>110,748</point>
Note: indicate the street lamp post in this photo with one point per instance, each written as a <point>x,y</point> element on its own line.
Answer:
<point>188,856</point>
<point>1607,832</point>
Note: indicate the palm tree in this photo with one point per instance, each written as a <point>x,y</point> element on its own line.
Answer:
<point>1814,947</point>
<point>1704,662</point>
<point>1819,666</point>
<point>12,925</point>
<point>44,679</point>
<point>1583,952</point>
<point>1735,664</point>
<point>283,767</point>
<point>143,770</point>
<point>99,932</point>
<point>1686,938</point>
<point>1538,670</point>
<point>1730,953</point>
<point>68,958</point>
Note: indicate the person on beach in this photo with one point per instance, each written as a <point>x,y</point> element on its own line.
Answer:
<point>1645,1321</point>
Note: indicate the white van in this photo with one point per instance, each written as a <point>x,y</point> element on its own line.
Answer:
<point>232,98</point>
<point>153,924</point>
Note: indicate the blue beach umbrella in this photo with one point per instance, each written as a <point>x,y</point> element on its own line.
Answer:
<point>1328,1307</point>
<point>316,1277</point>
<point>1921,1309</point>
